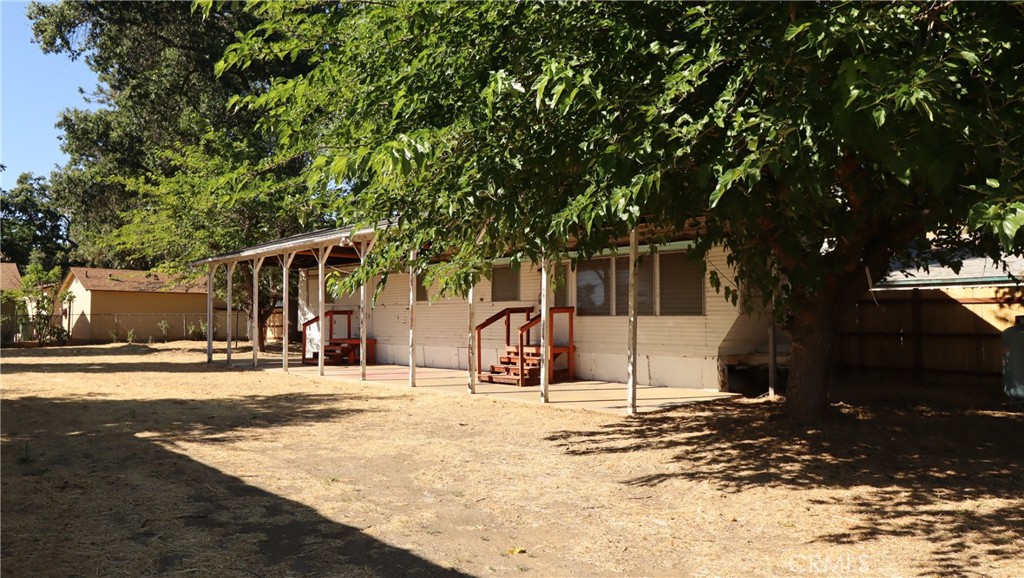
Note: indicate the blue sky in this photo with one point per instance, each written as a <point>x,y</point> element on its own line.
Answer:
<point>34,88</point>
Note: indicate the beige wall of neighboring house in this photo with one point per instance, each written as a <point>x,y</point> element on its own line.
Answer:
<point>108,300</point>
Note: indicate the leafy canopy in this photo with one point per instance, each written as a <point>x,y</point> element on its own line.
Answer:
<point>817,145</point>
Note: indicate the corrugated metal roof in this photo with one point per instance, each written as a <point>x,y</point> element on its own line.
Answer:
<point>323,237</point>
<point>976,271</point>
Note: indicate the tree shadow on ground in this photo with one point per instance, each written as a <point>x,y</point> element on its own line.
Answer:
<point>70,351</point>
<point>94,487</point>
<point>951,477</point>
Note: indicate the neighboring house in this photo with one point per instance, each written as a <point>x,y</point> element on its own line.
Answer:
<point>935,326</point>
<point>686,330</point>
<point>10,281</point>
<point>106,301</point>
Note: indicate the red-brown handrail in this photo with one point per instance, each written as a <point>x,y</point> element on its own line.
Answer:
<point>330,315</point>
<point>505,314</point>
<point>524,330</point>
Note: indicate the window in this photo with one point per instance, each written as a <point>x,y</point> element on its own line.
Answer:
<point>593,288</point>
<point>421,289</point>
<point>561,280</point>
<point>681,286</point>
<point>644,286</point>
<point>504,284</point>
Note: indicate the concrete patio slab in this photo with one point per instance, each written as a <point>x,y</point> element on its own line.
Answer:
<point>602,396</point>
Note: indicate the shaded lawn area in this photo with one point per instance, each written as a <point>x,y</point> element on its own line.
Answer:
<point>90,488</point>
<point>138,461</point>
<point>953,477</point>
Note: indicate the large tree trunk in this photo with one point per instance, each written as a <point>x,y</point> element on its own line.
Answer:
<point>813,335</point>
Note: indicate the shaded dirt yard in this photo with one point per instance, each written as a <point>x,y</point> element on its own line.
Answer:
<point>131,460</point>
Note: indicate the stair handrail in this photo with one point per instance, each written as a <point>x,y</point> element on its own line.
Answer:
<point>329,314</point>
<point>505,314</point>
<point>524,330</point>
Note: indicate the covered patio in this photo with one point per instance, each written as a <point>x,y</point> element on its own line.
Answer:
<point>350,246</point>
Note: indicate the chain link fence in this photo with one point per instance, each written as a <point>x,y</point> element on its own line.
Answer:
<point>127,327</point>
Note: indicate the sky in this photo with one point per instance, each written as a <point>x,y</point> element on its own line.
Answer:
<point>34,88</point>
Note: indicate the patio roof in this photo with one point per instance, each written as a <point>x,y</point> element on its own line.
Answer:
<point>302,246</point>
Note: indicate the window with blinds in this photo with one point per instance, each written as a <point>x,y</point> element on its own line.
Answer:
<point>644,285</point>
<point>594,288</point>
<point>681,285</point>
<point>504,284</point>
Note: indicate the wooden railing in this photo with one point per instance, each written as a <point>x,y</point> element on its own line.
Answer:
<point>348,313</point>
<point>524,338</point>
<point>505,314</point>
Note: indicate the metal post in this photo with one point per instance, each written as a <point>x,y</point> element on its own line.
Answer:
<point>412,317</point>
<point>364,249</point>
<point>631,333</point>
<point>286,264</point>
<point>362,332</point>
<point>772,353</point>
<point>321,258</point>
<point>471,365</point>
<point>228,315</point>
<point>256,265</point>
<point>209,313</point>
<point>545,322</point>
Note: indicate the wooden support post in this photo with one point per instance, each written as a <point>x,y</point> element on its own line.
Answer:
<point>257,264</point>
<point>412,319</point>
<point>471,365</point>
<point>321,259</point>
<point>545,325</point>
<point>286,265</point>
<point>209,313</point>
<point>772,353</point>
<point>228,314</point>
<point>631,377</point>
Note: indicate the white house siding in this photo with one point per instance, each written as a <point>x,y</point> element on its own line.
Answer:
<point>309,309</point>
<point>677,351</point>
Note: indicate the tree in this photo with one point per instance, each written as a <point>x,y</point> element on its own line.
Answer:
<point>38,301</point>
<point>164,172</point>
<point>822,146</point>
<point>32,223</point>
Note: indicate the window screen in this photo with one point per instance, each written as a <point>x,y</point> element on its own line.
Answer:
<point>681,285</point>
<point>504,284</point>
<point>644,286</point>
<point>421,289</point>
<point>593,288</point>
<point>561,280</point>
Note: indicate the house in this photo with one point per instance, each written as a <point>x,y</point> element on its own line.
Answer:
<point>10,280</point>
<point>938,326</point>
<point>685,329</point>
<point>107,304</point>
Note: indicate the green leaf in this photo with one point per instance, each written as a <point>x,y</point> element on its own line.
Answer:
<point>879,116</point>
<point>794,30</point>
<point>970,57</point>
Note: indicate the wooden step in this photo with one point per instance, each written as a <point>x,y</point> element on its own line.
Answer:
<point>514,370</point>
<point>514,360</point>
<point>528,350</point>
<point>508,379</point>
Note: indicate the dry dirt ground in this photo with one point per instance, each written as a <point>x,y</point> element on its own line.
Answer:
<point>132,460</point>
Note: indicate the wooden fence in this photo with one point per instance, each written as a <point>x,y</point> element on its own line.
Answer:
<point>929,335</point>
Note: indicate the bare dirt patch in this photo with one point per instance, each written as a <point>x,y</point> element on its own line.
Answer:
<point>144,460</point>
